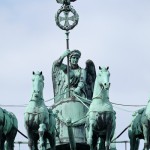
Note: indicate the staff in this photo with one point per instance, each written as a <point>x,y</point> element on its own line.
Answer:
<point>66,9</point>
<point>68,72</point>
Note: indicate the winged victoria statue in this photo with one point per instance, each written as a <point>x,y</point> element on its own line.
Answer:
<point>81,80</point>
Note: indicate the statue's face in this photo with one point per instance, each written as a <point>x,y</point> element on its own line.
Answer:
<point>74,60</point>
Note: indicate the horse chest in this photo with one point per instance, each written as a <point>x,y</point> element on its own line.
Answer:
<point>36,109</point>
<point>100,106</point>
<point>36,115</point>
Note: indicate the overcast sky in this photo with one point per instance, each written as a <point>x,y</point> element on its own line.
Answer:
<point>114,33</point>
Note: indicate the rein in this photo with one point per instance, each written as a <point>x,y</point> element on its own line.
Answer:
<point>36,100</point>
<point>98,97</point>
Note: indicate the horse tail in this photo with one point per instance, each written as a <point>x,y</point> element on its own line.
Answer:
<point>20,132</point>
<point>121,133</point>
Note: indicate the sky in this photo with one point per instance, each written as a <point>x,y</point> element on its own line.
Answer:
<point>111,33</point>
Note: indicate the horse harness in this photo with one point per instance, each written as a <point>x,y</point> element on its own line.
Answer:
<point>98,113</point>
<point>4,123</point>
<point>96,119</point>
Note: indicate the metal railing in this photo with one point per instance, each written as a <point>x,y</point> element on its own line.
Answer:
<point>121,142</point>
<point>20,143</point>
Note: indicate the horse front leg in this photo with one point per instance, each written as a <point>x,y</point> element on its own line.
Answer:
<point>52,140</point>
<point>2,140</point>
<point>28,118</point>
<point>146,136</point>
<point>90,134</point>
<point>107,142</point>
<point>134,142</point>
<point>101,144</point>
<point>9,145</point>
<point>109,135</point>
<point>42,129</point>
<point>2,143</point>
<point>30,139</point>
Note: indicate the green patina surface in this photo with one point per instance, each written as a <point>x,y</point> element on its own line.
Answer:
<point>140,128</point>
<point>8,129</point>
<point>81,89</point>
<point>39,120</point>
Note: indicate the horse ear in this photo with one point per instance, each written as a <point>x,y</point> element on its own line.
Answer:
<point>33,73</point>
<point>41,73</point>
<point>107,68</point>
<point>100,67</point>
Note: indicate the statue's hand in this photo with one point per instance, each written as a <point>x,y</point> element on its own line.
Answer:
<point>77,91</point>
<point>66,53</point>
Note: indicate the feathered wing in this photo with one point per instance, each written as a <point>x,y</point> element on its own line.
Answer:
<point>58,80</point>
<point>90,78</point>
<point>60,1</point>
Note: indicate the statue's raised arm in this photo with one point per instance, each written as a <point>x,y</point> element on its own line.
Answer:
<point>77,76</point>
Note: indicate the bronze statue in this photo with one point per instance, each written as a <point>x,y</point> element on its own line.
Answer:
<point>8,129</point>
<point>39,120</point>
<point>101,119</point>
<point>140,128</point>
<point>81,80</point>
<point>81,85</point>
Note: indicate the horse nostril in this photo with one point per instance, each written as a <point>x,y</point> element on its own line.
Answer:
<point>101,85</point>
<point>105,84</point>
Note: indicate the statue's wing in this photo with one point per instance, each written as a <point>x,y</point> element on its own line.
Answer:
<point>90,78</point>
<point>58,80</point>
<point>60,1</point>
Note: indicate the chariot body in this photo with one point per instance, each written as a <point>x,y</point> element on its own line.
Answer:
<point>71,108</point>
<point>71,105</point>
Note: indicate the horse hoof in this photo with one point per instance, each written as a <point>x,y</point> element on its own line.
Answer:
<point>107,147</point>
<point>89,141</point>
<point>146,146</point>
<point>42,148</point>
<point>30,143</point>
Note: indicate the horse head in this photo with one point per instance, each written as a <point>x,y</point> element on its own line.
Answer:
<point>103,78</point>
<point>38,85</point>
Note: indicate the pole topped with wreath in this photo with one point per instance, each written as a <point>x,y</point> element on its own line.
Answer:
<point>66,19</point>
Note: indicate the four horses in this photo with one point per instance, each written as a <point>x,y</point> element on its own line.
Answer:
<point>101,116</point>
<point>100,122</point>
<point>140,128</point>
<point>39,121</point>
<point>8,129</point>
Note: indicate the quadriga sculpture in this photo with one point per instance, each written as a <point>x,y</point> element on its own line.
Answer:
<point>101,119</point>
<point>39,121</point>
<point>8,129</point>
<point>140,128</point>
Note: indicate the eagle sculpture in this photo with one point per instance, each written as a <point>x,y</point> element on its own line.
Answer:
<point>65,2</point>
